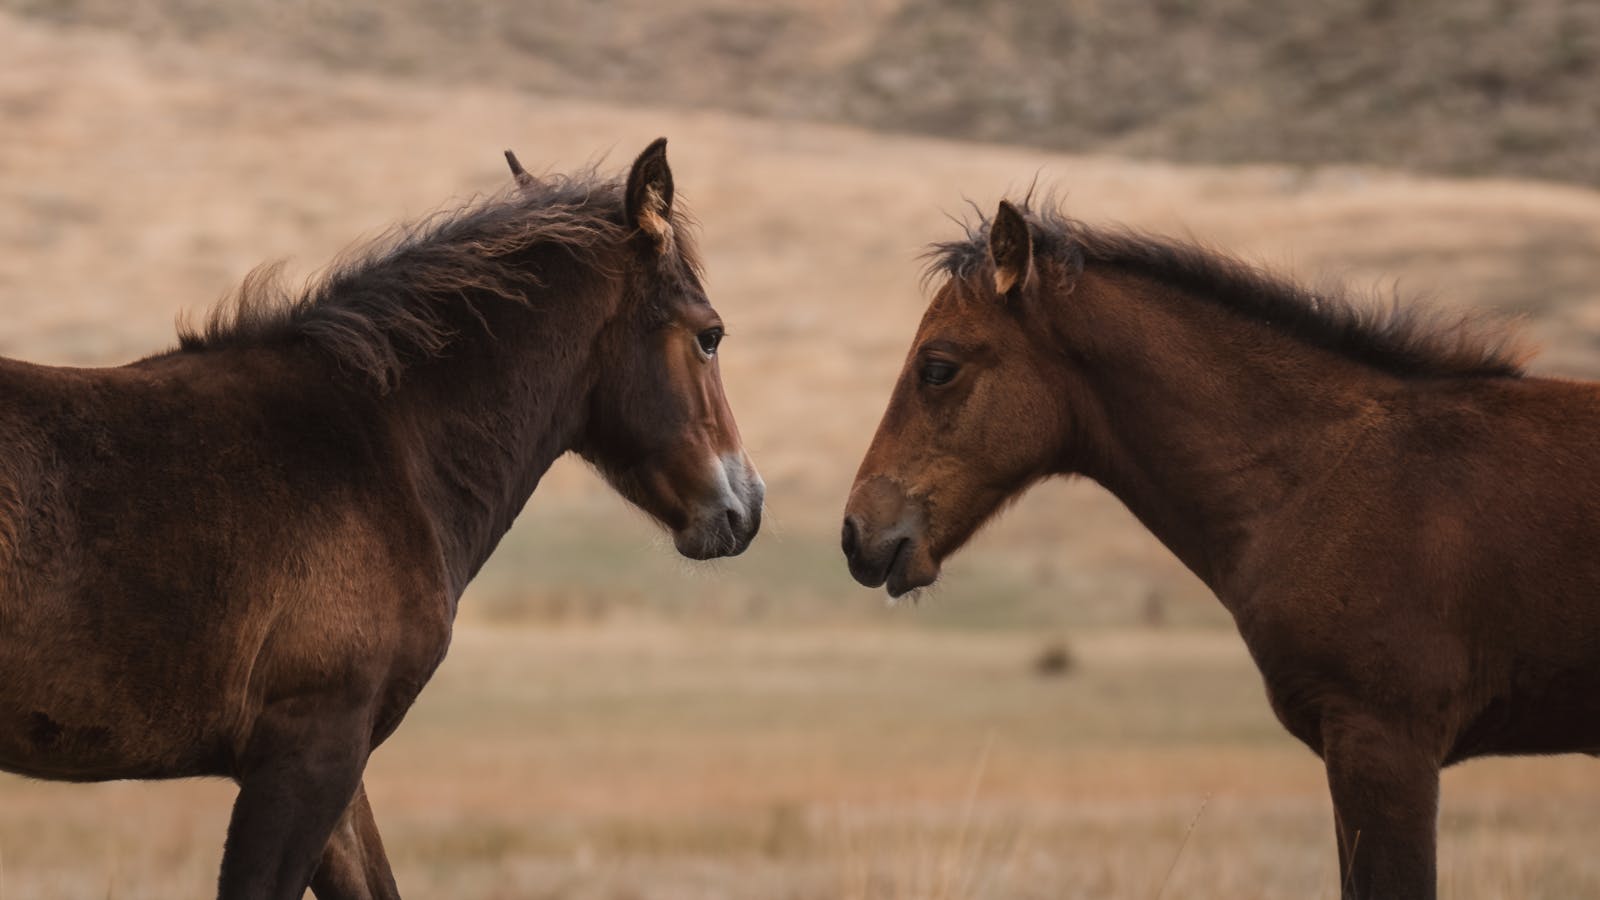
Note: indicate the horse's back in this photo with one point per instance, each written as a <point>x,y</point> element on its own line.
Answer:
<point>114,469</point>
<point>165,526</point>
<point>1509,476</point>
<point>1454,556</point>
<point>1528,576</point>
<point>34,483</point>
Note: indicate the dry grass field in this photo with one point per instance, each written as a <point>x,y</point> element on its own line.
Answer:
<point>890,763</point>
<point>614,723</point>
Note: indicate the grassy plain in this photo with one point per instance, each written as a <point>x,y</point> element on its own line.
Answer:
<point>884,762</point>
<point>614,723</point>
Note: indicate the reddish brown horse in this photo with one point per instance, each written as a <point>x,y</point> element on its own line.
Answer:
<point>1402,524</point>
<point>242,558</point>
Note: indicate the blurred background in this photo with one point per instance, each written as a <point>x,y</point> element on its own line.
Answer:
<point>1069,714</point>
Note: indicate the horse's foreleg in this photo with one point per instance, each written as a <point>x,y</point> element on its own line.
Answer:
<point>1386,807</point>
<point>297,777</point>
<point>354,866</point>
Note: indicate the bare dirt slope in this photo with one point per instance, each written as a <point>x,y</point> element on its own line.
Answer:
<point>143,178</point>
<point>1453,86</point>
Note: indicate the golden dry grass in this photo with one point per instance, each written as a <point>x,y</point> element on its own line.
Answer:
<point>784,736</point>
<point>888,763</point>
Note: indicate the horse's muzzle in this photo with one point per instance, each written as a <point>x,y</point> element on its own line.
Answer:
<point>883,539</point>
<point>726,523</point>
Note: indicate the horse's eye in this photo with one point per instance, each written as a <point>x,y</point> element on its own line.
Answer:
<point>709,339</point>
<point>937,372</point>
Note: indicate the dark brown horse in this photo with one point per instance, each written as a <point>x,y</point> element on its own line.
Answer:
<point>242,558</point>
<point>1402,524</point>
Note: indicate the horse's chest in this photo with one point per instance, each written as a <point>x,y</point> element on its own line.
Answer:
<point>1302,679</point>
<point>1298,702</point>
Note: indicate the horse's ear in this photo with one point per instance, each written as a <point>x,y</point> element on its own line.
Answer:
<point>1010,249</point>
<point>649,197</point>
<point>517,171</point>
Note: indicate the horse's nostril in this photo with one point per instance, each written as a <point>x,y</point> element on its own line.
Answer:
<point>734,520</point>
<point>848,540</point>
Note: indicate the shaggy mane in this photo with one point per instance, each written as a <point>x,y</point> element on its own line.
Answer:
<point>1413,339</point>
<point>384,303</point>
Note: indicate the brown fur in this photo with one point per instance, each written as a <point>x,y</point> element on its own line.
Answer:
<point>242,558</point>
<point>1400,521</point>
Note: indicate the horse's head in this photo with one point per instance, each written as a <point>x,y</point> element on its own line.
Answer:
<point>973,421</point>
<point>659,428</point>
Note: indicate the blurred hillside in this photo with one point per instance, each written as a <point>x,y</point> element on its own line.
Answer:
<point>1503,87</point>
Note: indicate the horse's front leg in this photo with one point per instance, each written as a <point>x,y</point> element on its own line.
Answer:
<point>297,777</point>
<point>1386,807</point>
<point>354,866</point>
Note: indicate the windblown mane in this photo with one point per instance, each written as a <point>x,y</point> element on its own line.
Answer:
<point>1413,338</point>
<point>385,303</point>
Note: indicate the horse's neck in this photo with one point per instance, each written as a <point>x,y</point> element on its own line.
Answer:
<point>490,416</point>
<point>1206,425</point>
